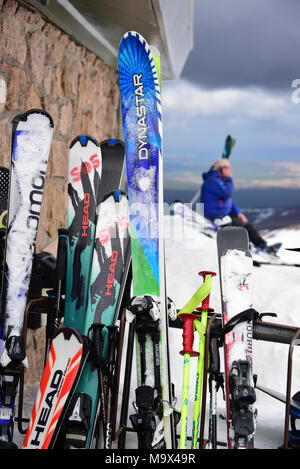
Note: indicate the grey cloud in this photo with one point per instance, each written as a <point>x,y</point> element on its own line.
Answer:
<point>245,43</point>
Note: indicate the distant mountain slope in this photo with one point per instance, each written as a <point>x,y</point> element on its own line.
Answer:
<point>273,218</point>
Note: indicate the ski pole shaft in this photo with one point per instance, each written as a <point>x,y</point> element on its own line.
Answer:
<point>214,383</point>
<point>54,314</point>
<point>111,355</point>
<point>185,401</point>
<point>126,388</point>
<point>187,352</point>
<point>60,272</point>
<point>201,328</point>
<point>188,316</point>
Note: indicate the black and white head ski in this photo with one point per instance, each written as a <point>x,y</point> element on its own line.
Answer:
<point>236,267</point>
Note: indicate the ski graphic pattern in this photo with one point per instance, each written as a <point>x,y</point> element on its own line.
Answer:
<point>112,247</point>
<point>142,120</point>
<point>85,169</point>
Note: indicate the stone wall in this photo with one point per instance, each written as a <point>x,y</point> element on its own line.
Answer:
<point>42,67</point>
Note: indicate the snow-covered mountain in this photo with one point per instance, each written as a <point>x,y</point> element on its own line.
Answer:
<point>273,218</point>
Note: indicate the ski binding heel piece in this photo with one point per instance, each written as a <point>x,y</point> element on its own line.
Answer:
<point>78,421</point>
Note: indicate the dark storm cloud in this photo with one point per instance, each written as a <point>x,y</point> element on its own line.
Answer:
<point>245,43</point>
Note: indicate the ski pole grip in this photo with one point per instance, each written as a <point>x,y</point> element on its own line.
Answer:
<point>214,364</point>
<point>188,334</point>
<point>96,344</point>
<point>205,303</point>
<point>61,253</point>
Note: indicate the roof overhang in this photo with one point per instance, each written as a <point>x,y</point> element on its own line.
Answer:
<point>100,24</point>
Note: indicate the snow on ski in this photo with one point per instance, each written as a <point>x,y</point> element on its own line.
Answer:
<point>84,175</point>
<point>142,126</point>
<point>32,136</point>
<point>236,288</point>
<point>31,140</point>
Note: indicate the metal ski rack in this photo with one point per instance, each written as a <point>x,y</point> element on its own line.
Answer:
<point>262,330</point>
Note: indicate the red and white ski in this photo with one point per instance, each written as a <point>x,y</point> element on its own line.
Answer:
<point>65,361</point>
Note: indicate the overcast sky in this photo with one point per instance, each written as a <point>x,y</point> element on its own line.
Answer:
<point>237,80</point>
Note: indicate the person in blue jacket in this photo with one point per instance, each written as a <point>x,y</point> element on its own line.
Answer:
<point>219,206</point>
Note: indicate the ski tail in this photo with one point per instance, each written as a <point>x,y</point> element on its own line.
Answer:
<point>113,162</point>
<point>66,357</point>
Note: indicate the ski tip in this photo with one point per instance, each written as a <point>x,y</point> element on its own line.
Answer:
<point>84,139</point>
<point>116,194</point>
<point>133,36</point>
<point>69,332</point>
<point>25,115</point>
<point>130,34</point>
<point>112,142</point>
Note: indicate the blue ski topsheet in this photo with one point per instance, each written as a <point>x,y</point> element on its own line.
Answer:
<point>141,112</point>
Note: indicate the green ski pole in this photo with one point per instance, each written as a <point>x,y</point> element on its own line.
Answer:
<point>201,329</point>
<point>188,317</point>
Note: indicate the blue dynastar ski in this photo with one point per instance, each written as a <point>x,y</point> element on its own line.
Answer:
<point>139,77</point>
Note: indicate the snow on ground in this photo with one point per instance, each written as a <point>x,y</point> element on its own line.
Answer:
<point>276,289</point>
